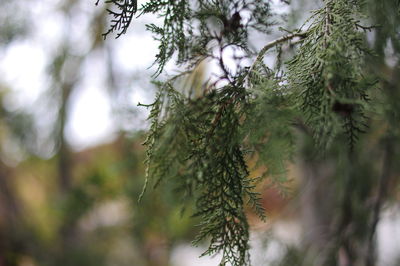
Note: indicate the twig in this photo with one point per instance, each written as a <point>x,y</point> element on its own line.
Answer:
<point>218,116</point>
<point>273,43</point>
<point>366,28</point>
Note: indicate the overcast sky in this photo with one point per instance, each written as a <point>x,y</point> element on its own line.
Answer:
<point>90,119</point>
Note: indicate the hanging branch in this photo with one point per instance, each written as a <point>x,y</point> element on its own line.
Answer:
<point>122,17</point>
<point>200,140</point>
<point>274,43</point>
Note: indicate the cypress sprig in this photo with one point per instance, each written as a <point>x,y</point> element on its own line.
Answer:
<point>327,74</point>
<point>122,15</point>
<point>203,139</point>
<point>199,144</point>
<point>171,35</point>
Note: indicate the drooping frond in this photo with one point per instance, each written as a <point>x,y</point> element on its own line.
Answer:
<point>205,157</point>
<point>199,144</point>
<point>122,12</point>
<point>188,29</point>
<point>327,73</point>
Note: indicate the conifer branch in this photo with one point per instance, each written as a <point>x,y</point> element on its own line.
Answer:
<point>322,91</point>
<point>366,28</point>
<point>122,17</point>
<point>274,43</point>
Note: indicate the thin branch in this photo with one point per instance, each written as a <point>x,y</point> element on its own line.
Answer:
<point>218,116</point>
<point>382,193</point>
<point>367,28</point>
<point>327,24</point>
<point>274,43</point>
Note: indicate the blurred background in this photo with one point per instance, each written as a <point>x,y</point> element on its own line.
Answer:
<point>71,159</point>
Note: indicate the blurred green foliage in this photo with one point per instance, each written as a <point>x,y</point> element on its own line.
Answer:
<point>63,207</point>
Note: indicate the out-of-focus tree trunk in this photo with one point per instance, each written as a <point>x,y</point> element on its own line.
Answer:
<point>9,220</point>
<point>335,209</point>
<point>64,161</point>
<point>317,209</point>
<point>340,207</point>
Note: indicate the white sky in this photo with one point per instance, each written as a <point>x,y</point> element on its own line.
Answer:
<point>22,67</point>
<point>90,120</point>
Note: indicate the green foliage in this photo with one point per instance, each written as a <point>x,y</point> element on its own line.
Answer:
<point>200,144</point>
<point>188,27</point>
<point>171,35</point>
<point>327,73</point>
<point>271,115</point>
<point>122,16</point>
<point>203,141</point>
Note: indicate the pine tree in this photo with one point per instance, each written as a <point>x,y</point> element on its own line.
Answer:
<point>330,99</point>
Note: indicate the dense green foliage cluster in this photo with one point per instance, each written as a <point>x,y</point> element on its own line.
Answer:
<point>201,143</point>
<point>328,73</point>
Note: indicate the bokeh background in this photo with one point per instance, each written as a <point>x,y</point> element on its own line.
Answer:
<point>71,159</point>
